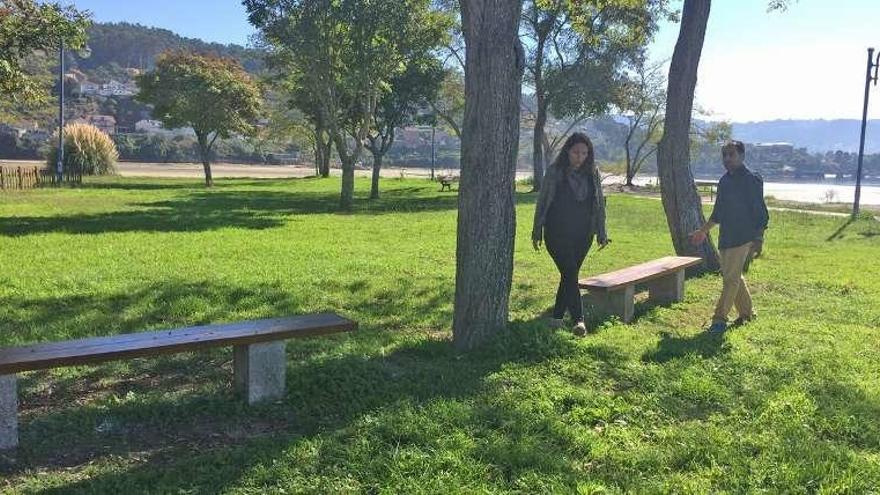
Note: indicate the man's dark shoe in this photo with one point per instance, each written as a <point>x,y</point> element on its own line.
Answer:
<point>717,327</point>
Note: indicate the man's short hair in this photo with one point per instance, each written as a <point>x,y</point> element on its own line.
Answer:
<point>740,147</point>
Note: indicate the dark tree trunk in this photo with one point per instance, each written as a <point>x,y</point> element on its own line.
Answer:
<point>377,167</point>
<point>540,119</point>
<point>205,154</point>
<point>684,212</point>
<point>490,135</point>
<point>326,155</point>
<point>323,151</point>
<point>346,197</point>
<point>630,172</point>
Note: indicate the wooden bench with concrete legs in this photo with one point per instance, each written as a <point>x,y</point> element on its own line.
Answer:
<point>259,357</point>
<point>615,292</point>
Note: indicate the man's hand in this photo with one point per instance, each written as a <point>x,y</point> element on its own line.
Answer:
<point>757,248</point>
<point>698,237</point>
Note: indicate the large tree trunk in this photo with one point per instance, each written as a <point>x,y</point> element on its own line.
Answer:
<point>377,167</point>
<point>486,214</point>
<point>540,119</point>
<point>348,159</point>
<point>325,156</point>
<point>684,212</point>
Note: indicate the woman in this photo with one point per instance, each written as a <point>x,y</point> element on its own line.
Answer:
<point>569,213</point>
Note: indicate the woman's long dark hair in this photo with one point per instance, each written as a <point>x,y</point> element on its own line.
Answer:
<point>561,161</point>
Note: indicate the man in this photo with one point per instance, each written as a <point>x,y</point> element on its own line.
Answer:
<point>741,212</point>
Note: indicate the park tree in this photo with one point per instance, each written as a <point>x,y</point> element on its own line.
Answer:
<point>643,104</point>
<point>494,64</point>
<point>681,201</point>
<point>27,26</point>
<point>577,53</point>
<point>409,93</point>
<point>448,104</point>
<point>213,95</point>
<point>343,55</point>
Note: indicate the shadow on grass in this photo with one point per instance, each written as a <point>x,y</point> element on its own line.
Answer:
<point>204,210</point>
<point>839,232</point>
<point>169,409</point>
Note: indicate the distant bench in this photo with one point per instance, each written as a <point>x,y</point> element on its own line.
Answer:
<point>709,186</point>
<point>259,357</point>
<point>446,182</point>
<point>615,292</point>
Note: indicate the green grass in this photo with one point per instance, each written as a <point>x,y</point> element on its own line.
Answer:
<point>789,403</point>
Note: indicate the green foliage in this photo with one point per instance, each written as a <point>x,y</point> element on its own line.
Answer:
<point>27,26</point>
<point>210,94</point>
<point>87,149</point>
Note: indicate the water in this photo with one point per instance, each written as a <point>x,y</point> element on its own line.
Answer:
<point>807,192</point>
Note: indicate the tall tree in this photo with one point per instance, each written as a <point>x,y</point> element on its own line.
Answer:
<point>409,93</point>
<point>448,104</point>
<point>343,53</point>
<point>577,52</point>
<point>684,212</point>
<point>27,26</point>
<point>494,65</point>
<point>643,106</point>
<point>681,201</point>
<point>213,95</point>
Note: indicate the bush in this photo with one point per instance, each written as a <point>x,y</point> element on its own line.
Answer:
<point>87,149</point>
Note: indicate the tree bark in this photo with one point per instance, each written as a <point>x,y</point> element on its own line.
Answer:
<point>322,157</point>
<point>540,118</point>
<point>486,215</point>
<point>377,167</point>
<point>681,202</point>
<point>348,158</point>
<point>205,153</point>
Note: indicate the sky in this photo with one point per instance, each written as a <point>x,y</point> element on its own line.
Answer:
<point>806,63</point>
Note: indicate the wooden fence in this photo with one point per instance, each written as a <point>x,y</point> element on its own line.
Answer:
<point>33,177</point>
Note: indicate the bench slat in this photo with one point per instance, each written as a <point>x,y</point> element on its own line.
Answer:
<point>638,274</point>
<point>100,349</point>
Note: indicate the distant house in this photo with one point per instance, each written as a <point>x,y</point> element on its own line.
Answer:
<point>37,135</point>
<point>8,130</point>
<point>151,126</point>
<point>148,126</point>
<point>88,88</point>
<point>106,123</point>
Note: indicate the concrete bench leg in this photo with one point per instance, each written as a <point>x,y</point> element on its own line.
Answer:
<point>620,303</point>
<point>8,411</point>
<point>260,370</point>
<point>668,289</point>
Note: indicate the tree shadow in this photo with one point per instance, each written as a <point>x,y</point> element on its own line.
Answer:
<point>181,437</point>
<point>210,210</point>
<point>839,232</point>
<point>156,406</point>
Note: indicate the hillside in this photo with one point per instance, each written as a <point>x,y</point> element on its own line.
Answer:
<point>815,135</point>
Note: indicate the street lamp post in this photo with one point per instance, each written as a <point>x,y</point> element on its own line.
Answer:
<point>59,167</point>
<point>433,153</point>
<point>870,76</point>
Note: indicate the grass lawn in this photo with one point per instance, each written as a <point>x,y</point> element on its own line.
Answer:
<point>790,403</point>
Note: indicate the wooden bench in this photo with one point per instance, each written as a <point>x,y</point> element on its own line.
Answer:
<point>446,182</point>
<point>615,292</point>
<point>259,358</point>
